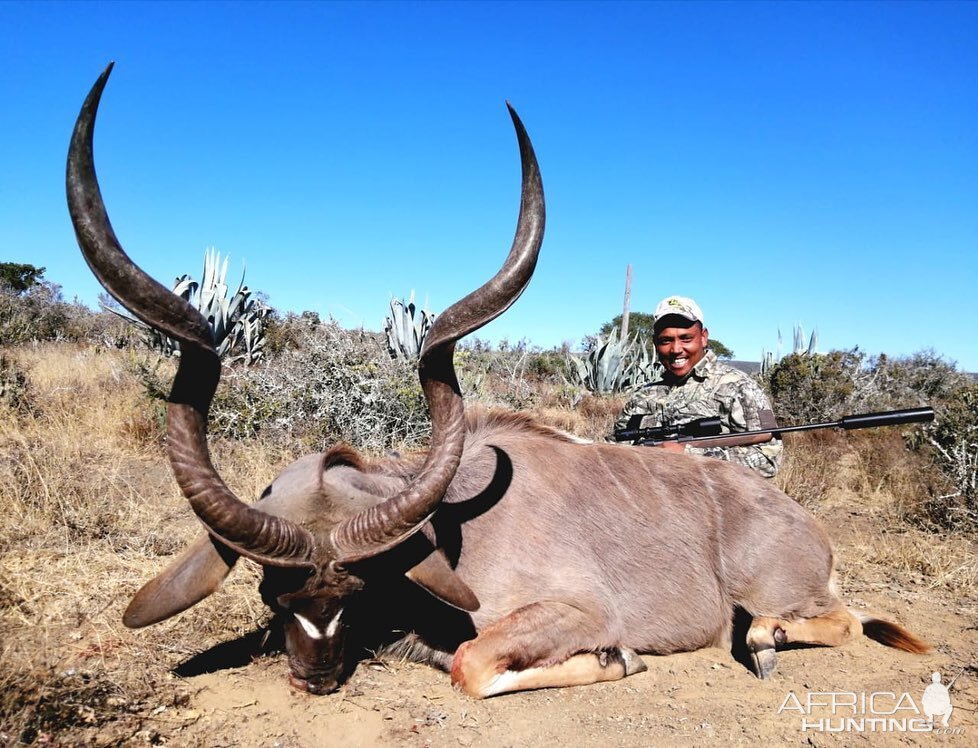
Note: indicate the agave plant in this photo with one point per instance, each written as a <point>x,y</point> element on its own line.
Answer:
<point>614,365</point>
<point>768,359</point>
<point>237,323</point>
<point>406,328</point>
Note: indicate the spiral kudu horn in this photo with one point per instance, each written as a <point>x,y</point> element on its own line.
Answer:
<point>262,537</point>
<point>382,526</point>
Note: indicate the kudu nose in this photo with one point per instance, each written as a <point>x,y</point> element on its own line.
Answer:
<point>314,686</point>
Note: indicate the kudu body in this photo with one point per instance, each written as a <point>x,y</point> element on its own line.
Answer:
<point>510,554</point>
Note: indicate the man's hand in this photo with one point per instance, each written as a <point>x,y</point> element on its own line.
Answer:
<point>671,446</point>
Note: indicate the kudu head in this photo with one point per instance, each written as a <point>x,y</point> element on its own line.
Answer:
<point>310,531</point>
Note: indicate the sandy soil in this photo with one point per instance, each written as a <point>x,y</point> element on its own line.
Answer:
<point>703,697</point>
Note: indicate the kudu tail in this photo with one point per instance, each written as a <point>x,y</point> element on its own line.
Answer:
<point>892,635</point>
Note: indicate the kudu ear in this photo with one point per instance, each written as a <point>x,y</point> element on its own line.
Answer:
<point>196,573</point>
<point>437,576</point>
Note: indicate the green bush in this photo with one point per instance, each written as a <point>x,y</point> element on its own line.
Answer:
<point>18,276</point>
<point>818,387</point>
<point>511,375</point>
<point>827,386</point>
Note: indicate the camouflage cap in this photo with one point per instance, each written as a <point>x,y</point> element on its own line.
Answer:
<point>678,305</point>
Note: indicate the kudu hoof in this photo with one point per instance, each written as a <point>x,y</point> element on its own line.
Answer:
<point>762,641</point>
<point>633,663</point>
<point>764,661</point>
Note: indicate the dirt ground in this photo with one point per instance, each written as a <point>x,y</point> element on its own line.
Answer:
<point>703,697</point>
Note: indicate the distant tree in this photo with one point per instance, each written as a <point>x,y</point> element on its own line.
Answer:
<point>19,276</point>
<point>641,323</point>
<point>310,317</point>
<point>720,349</point>
<point>638,322</point>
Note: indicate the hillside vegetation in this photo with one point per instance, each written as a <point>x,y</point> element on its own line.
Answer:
<point>91,511</point>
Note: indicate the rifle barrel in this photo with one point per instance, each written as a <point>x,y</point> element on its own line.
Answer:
<point>861,421</point>
<point>889,418</point>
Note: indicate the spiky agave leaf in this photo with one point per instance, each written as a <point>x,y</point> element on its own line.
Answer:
<point>614,365</point>
<point>406,328</point>
<point>237,323</point>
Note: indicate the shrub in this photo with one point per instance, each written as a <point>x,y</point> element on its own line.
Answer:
<point>333,385</point>
<point>953,443</point>
<point>13,383</point>
<point>40,314</point>
<point>809,388</point>
<point>37,314</point>
<point>512,375</point>
<point>287,332</point>
<point>826,387</point>
<point>924,378</point>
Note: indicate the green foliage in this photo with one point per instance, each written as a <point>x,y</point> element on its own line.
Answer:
<point>285,332</point>
<point>237,322</point>
<point>827,386</point>
<point>642,326</point>
<point>720,349</point>
<point>810,388</point>
<point>406,328</point>
<point>614,365</point>
<point>548,365</point>
<point>18,276</point>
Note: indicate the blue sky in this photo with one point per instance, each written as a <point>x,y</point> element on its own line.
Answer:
<point>782,163</point>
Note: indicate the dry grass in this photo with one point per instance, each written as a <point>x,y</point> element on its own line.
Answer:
<point>91,513</point>
<point>593,417</point>
<point>810,465</point>
<point>883,489</point>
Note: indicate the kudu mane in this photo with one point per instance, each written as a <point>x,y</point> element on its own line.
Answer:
<point>383,475</point>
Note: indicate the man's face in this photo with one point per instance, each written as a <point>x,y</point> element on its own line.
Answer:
<point>681,348</point>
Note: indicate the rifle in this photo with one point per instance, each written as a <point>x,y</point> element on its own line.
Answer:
<point>709,429</point>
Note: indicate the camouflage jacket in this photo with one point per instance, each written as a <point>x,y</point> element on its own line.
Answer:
<point>713,389</point>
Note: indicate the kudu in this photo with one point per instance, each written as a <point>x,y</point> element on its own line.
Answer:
<point>509,554</point>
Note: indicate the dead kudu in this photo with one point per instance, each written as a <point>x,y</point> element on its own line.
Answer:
<point>509,554</point>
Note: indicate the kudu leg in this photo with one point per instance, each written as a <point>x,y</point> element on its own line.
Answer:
<point>827,630</point>
<point>527,650</point>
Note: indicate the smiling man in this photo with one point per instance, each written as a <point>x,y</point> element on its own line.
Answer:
<point>695,384</point>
